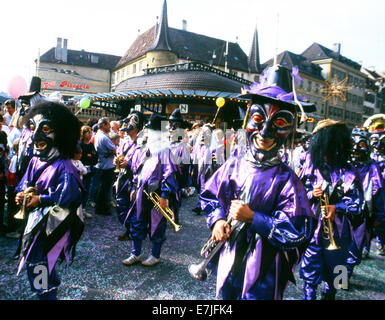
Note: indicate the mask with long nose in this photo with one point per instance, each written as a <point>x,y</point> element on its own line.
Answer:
<point>267,129</point>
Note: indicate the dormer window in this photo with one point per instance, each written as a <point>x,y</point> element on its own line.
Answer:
<point>94,59</point>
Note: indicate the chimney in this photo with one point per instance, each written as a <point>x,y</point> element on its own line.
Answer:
<point>337,48</point>
<point>184,25</point>
<point>64,50</point>
<point>58,49</point>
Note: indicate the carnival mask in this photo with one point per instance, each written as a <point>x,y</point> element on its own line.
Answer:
<point>267,130</point>
<point>360,145</point>
<point>43,138</point>
<point>205,135</point>
<point>175,131</point>
<point>377,141</point>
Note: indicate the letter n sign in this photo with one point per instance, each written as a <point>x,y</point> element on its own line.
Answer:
<point>183,108</point>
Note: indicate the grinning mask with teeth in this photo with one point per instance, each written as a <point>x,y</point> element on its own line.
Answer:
<point>43,138</point>
<point>267,130</point>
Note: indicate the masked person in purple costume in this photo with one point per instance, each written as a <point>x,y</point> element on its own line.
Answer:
<point>153,172</point>
<point>327,172</point>
<point>28,100</point>
<point>180,154</point>
<point>204,156</point>
<point>133,126</point>
<point>265,195</point>
<point>374,195</point>
<point>376,128</point>
<point>53,227</point>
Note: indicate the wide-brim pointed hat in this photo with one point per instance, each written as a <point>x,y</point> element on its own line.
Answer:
<point>277,86</point>
<point>131,122</point>
<point>155,122</point>
<point>176,117</point>
<point>34,88</point>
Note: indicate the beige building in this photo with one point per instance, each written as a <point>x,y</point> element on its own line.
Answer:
<point>74,72</point>
<point>345,73</point>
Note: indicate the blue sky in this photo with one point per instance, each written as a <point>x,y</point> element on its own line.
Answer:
<point>111,26</point>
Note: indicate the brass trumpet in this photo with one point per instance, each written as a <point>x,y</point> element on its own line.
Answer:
<point>327,224</point>
<point>167,212</point>
<point>118,160</point>
<point>27,197</point>
<point>209,250</point>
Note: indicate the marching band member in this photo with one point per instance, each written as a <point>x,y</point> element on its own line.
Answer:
<point>53,226</point>
<point>204,157</point>
<point>132,126</point>
<point>376,128</point>
<point>328,173</point>
<point>264,194</point>
<point>153,172</point>
<point>180,154</point>
<point>370,177</point>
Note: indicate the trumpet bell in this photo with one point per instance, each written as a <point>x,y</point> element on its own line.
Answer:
<point>197,271</point>
<point>19,215</point>
<point>332,246</point>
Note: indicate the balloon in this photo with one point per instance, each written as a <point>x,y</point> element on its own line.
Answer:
<point>17,87</point>
<point>220,102</point>
<point>85,103</point>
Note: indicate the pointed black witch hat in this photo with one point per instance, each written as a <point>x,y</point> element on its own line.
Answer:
<point>277,86</point>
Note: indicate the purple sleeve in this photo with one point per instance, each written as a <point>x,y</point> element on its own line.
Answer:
<point>290,225</point>
<point>65,193</point>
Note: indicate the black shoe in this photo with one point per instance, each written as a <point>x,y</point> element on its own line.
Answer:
<point>124,237</point>
<point>197,211</point>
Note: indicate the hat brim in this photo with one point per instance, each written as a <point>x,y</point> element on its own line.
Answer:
<point>27,95</point>
<point>291,106</point>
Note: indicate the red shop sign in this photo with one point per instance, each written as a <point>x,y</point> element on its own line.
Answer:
<point>67,84</point>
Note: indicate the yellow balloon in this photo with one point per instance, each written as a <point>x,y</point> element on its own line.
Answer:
<point>220,102</point>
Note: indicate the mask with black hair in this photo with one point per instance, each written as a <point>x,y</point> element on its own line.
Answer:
<point>55,131</point>
<point>330,144</point>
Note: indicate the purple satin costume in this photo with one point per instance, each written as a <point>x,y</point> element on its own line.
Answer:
<point>374,194</point>
<point>48,236</point>
<point>318,264</point>
<point>156,173</point>
<point>124,185</point>
<point>379,230</point>
<point>261,261</point>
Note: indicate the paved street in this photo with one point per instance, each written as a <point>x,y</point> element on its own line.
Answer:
<point>98,272</point>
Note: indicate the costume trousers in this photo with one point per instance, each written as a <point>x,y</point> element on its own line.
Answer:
<point>319,264</point>
<point>42,282</point>
<point>141,227</point>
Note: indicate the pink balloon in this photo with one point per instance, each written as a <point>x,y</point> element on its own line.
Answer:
<point>17,87</point>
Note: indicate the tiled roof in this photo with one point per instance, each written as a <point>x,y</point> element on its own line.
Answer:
<point>190,46</point>
<point>82,58</point>
<point>289,59</point>
<point>319,52</point>
<point>187,80</point>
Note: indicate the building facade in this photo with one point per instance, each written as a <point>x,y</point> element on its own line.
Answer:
<point>344,74</point>
<point>74,72</point>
